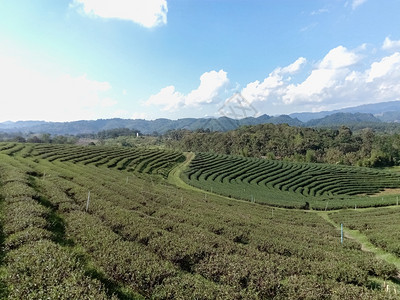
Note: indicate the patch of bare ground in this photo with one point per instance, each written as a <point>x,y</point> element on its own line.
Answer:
<point>387,192</point>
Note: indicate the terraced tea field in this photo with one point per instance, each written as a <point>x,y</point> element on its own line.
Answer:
<point>143,160</point>
<point>298,185</point>
<point>94,223</point>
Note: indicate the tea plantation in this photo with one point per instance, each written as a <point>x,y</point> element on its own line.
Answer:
<point>286,184</point>
<point>105,223</point>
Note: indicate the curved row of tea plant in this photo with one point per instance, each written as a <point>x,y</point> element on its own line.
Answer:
<point>289,184</point>
<point>166,243</point>
<point>142,160</point>
<point>34,264</point>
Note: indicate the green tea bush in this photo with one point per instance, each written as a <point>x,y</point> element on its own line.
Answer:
<point>288,184</point>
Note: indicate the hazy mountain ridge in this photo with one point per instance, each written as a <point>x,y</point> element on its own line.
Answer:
<point>343,118</point>
<point>377,109</point>
<point>388,112</point>
<point>144,126</point>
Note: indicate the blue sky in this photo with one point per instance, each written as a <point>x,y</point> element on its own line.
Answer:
<point>69,60</point>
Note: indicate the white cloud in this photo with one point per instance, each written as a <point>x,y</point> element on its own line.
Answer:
<point>342,78</point>
<point>167,97</point>
<point>261,91</point>
<point>339,57</point>
<point>148,13</point>
<point>314,88</point>
<point>29,95</point>
<point>294,67</point>
<point>388,44</point>
<point>357,3</point>
<point>330,72</point>
<point>211,85</point>
<point>388,65</point>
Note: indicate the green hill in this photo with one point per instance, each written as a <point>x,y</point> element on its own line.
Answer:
<point>78,223</point>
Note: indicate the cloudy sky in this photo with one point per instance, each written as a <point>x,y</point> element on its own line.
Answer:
<point>70,60</point>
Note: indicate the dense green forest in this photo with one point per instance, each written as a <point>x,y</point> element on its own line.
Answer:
<point>284,142</point>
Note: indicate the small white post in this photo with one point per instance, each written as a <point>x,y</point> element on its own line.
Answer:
<point>341,233</point>
<point>126,179</point>
<point>326,206</point>
<point>87,202</point>
<point>44,175</point>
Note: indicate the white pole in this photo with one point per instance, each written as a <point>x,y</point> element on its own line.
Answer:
<point>87,202</point>
<point>341,233</point>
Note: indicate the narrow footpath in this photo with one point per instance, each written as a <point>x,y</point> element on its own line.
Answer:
<point>366,245</point>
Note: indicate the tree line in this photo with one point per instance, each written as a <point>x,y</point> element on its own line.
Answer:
<point>298,144</point>
<point>37,138</point>
<point>112,133</point>
<point>31,137</point>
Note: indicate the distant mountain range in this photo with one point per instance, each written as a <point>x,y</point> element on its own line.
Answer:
<point>144,126</point>
<point>388,112</point>
<point>384,111</point>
